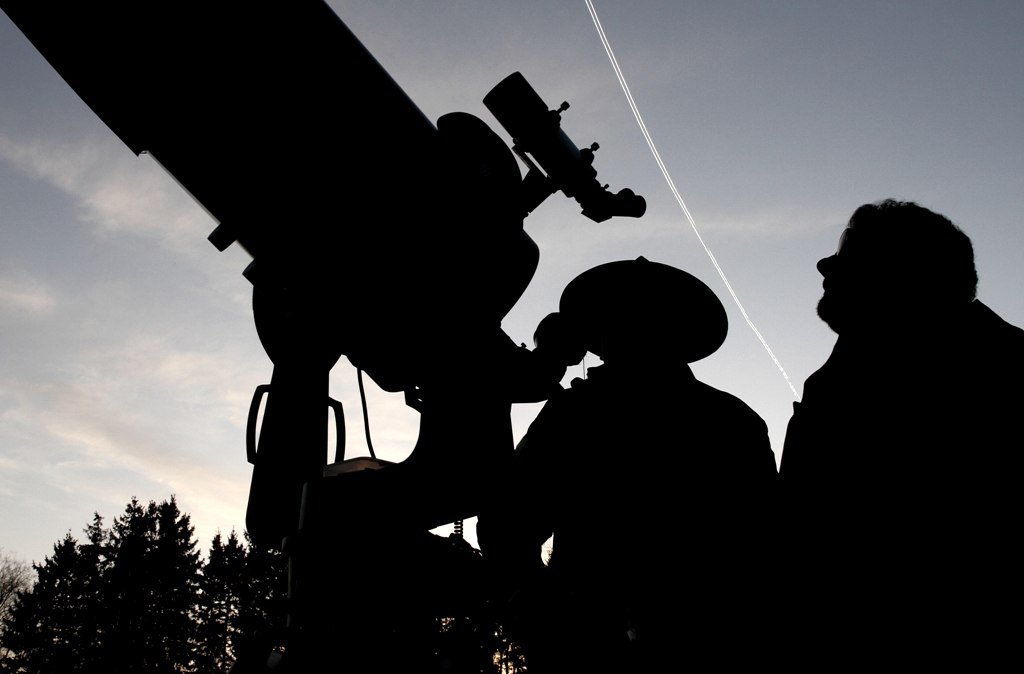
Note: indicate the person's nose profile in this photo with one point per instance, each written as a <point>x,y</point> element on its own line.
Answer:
<point>826,264</point>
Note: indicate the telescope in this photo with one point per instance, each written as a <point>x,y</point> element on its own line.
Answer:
<point>375,234</point>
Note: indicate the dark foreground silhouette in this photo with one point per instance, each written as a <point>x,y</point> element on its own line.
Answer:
<point>655,486</point>
<point>402,252</point>
<point>901,465</point>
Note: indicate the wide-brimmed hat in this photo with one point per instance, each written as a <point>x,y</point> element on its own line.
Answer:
<point>671,308</point>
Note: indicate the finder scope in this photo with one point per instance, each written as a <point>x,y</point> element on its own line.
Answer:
<point>536,132</point>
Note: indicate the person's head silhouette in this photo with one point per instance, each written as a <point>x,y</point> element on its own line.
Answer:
<point>898,264</point>
<point>638,311</point>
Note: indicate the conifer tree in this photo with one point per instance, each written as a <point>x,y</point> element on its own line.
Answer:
<point>151,590</point>
<point>53,628</point>
<point>220,600</point>
<point>262,594</point>
<point>137,598</point>
<point>178,565</point>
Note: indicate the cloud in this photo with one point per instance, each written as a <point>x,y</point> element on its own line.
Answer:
<point>183,394</point>
<point>85,422</point>
<point>83,440</point>
<point>756,222</point>
<point>146,410</point>
<point>117,192</point>
<point>26,296</point>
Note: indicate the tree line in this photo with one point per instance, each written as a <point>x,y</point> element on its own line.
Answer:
<point>137,596</point>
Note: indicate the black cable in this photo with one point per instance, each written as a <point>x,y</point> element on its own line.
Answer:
<point>366,415</point>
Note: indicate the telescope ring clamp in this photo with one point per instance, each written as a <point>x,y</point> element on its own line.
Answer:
<point>251,430</point>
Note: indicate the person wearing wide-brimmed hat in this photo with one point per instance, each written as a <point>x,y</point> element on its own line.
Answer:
<point>654,485</point>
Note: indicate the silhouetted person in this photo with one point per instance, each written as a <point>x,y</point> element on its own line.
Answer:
<point>901,464</point>
<point>655,486</point>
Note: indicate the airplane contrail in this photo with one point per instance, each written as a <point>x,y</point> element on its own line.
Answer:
<point>675,192</point>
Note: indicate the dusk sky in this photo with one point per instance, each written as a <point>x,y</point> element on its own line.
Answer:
<point>128,354</point>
